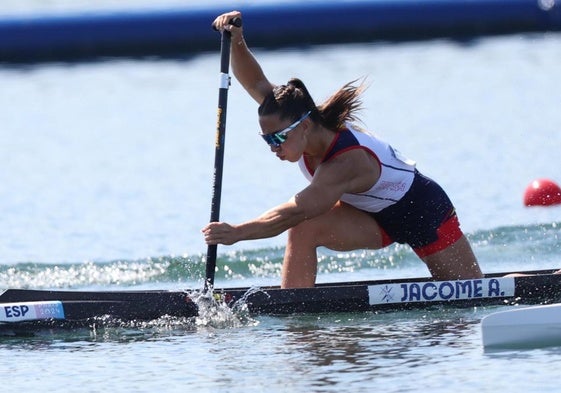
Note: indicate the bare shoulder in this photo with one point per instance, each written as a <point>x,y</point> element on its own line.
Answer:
<point>355,170</point>
<point>353,160</point>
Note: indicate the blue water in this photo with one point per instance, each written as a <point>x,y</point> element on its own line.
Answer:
<point>106,181</point>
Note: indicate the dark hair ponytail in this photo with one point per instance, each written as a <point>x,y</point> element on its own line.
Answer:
<point>293,100</point>
<point>342,106</point>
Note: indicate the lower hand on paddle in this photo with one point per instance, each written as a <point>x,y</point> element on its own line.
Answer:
<point>220,233</point>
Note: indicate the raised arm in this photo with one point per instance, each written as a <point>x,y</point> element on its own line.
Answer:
<point>244,65</point>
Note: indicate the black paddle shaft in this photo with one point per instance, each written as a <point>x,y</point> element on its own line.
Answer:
<point>219,147</point>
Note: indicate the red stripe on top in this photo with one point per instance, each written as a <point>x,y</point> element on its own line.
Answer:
<point>448,233</point>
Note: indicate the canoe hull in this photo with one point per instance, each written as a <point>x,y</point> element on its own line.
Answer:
<point>80,308</point>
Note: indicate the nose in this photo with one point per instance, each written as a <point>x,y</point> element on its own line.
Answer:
<point>274,148</point>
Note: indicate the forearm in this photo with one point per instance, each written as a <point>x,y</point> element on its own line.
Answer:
<point>311,202</point>
<point>271,223</point>
<point>305,205</point>
<point>244,65</point>
<point>247,70</point>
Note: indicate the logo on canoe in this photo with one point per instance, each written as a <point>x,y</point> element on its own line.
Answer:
<point>437,291</point>
<point>29,311</point>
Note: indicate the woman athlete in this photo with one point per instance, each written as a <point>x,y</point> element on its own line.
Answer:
<point>362,193</point>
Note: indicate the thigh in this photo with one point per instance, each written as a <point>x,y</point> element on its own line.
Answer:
<point>345,228</point>
<point>456,262</point>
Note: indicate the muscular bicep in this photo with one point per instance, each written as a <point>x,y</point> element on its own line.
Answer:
<point>260,90</point>
<point>315,200</point>
<point>249,73</point>
<point>352,172</point>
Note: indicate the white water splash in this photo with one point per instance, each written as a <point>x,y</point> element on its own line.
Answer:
<point>216,313</point>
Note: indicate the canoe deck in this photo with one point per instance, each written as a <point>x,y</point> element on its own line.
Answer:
<point>82,308</point>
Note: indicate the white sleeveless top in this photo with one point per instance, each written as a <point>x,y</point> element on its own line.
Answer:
<point>396,172</point>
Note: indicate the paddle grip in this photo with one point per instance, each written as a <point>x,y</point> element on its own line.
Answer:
<point>234,22</point>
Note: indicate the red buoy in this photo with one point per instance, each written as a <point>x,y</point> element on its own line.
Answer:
<point>542,192</point>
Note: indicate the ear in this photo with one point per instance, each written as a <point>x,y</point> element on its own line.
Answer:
<point>307,124</point>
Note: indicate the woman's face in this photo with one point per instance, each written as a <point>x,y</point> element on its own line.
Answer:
<point>285,138</point>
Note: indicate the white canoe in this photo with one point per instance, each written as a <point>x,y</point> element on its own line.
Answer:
<point>527,327</point>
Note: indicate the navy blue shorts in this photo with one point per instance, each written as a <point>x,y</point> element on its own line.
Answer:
<point>424,218</point>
